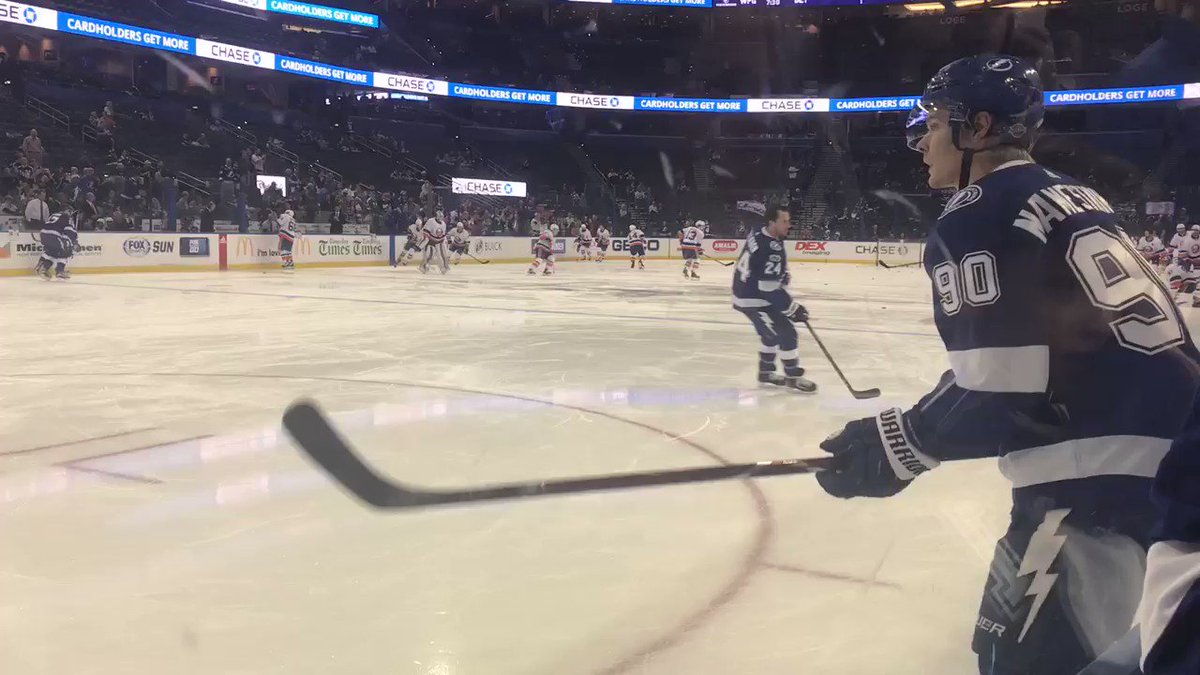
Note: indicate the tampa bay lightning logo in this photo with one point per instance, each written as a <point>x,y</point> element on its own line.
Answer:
<point>999,65</point>
<point>30,15</point>
<point>257,58</point>
<point>964,197</point>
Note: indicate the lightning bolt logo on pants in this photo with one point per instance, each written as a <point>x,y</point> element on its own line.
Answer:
<point>1043,548</point>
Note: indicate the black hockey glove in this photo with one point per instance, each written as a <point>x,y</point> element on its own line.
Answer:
<point>874,457</point>
<point>797,313</point>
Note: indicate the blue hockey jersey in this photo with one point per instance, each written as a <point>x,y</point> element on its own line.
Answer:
<point>760,277</point>
<point>1169,617</point>
<point>62,224</point>
<point>1068,358</point>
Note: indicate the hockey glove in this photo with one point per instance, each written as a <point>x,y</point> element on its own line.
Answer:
<point>874,457</point>
<point>797,313</point>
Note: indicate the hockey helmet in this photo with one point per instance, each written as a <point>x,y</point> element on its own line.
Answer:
<point>1005,86</point>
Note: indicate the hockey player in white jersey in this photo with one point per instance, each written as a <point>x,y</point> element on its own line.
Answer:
<point>435,244</point>
<point>637,248</point>
<point>691,239</point>
<point>413,243</point>
<point>1178,237</point>
<point>1182,277</point>
<point>583,243</point>
<point>289,232</point>
<point>1191,245</point>
<point>543,251</point>
<point>603,238</point>
<point>1151,247</point>
<point>460,241</point>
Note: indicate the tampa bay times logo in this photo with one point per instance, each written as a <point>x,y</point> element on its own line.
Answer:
<point>247,249</point>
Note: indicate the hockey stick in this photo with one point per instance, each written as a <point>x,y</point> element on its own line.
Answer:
<point>860,394</point>
<point>722,264</point>
<point>481,262</point>
<point>895,267</point>
<point>318,439</point>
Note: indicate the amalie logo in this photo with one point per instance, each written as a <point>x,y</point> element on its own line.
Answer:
<point>724,245</point>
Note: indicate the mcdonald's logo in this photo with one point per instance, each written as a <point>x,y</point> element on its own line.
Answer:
<point>247,249</point>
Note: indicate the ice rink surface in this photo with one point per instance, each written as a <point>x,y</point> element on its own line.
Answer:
<point>154,518</point>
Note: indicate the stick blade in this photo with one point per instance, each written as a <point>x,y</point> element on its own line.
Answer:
<point>866,393</point>
<point>312,432</point>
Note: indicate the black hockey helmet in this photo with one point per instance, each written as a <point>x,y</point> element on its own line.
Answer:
<point>1005,86</point>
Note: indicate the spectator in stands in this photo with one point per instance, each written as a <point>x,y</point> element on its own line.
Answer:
<point>183,209</point>
<point>108,109</point>
<point>21,169</point>
<point>258,159</point>
<point>208,216</point>
<point>32,147</point>
<point>336,220</point>
<point>201,141</point>
<point>36,210</point>
<point>119,222</point>
<point>9,206</point>
<point>89,212</point>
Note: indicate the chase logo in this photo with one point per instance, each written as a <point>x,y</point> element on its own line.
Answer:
<point>30,15</point>
<point>508,188</point>
<point>256,58</point>
<point>999,65</point>
<point>614,101</point>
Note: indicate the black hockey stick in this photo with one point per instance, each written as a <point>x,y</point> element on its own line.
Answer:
<point>313,433</point>
<point>896,267</point>
<point>722,264</point>
<point>481,262</point>
<point>856,393</point>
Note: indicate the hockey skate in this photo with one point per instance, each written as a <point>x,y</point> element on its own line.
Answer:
<point>641,265</point>
<point>694,275</point>
<point>61,274</point>
<point>800,384</point>
<point>772,379</point>
<point>632,263</point>
<point>43,272</point>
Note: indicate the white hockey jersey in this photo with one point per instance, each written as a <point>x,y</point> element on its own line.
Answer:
<point>434,231</point>
<point>1191,249</point>
<point>1181,275</point>
<point>460,235</point>
<point>288,229</point>
<point>691,238</point>
<point>1149,248</point>
<point>602,233</point>
<point>1177,240</point>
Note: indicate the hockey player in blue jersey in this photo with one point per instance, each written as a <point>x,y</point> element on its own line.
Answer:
<point>59,242</point>
<point>760,282</point>
<point>1169,616</point>
<point>1069,362</point>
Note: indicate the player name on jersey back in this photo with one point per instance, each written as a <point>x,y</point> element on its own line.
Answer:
<point>1054,204</point>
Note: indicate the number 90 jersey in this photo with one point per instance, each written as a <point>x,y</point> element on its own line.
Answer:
<point>1068,358</point>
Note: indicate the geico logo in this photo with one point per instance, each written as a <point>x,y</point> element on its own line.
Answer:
<point>623,245</point>
<point>811,246</point>
<point>411,83</point>
<point>953,20</point>
<point>1126,7</point>
<point>724,245</point>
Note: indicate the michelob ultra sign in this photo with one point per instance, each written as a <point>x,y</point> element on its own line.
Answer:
<point>493,188</point>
